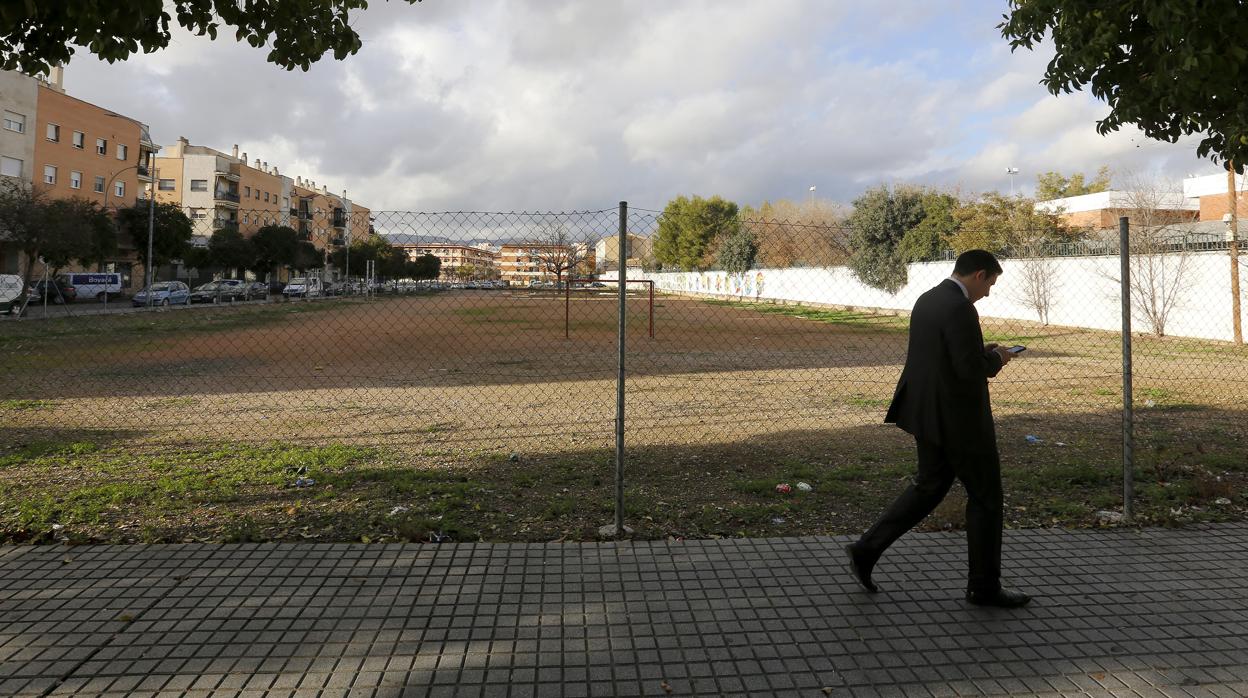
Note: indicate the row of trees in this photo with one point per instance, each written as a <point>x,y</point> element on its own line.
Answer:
<point>63,231</point>
<point>887,228</point>
<point>277,246</point>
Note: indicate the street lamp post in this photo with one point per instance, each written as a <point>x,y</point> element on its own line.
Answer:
<point>812,196</point>
<point>1011,171</point>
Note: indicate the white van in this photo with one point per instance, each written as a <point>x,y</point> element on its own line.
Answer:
<point>303,287</point>
<point>94,284</point>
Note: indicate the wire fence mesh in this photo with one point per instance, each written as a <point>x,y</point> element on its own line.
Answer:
<point>507,344</point>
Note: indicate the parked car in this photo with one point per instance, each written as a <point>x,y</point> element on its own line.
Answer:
<point>219,291</point>
<point>256,290</point>
<point>13,294</point>
<point>53,291</point>
<point>276,287</point>
<point>303,287</point>
<point>93,284</point>
<point>163,293</point>
<point>332,288</point>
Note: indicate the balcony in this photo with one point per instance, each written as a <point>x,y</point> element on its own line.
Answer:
<point>226,174</point>
<point>145,175</point>
<point>228,197</point>
<point>340,218</point>
<point>222,224</point>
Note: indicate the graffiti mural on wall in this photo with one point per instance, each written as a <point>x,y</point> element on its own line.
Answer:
<point>744,285</point>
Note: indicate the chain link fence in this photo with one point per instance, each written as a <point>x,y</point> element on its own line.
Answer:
<point>764,346</point>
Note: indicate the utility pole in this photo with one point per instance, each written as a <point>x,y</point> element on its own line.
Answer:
<point>1233,235</point>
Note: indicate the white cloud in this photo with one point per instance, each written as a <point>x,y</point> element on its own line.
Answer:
<point>563,104</point>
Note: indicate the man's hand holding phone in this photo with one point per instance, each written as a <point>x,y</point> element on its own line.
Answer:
<point>1004,353</point>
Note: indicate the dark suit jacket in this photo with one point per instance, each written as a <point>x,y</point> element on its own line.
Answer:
<point>942,397</point>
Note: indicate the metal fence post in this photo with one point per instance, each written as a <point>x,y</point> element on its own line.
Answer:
<point>618,529</point>
<point>1128,415</point>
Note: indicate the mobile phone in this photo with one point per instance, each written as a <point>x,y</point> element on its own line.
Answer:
<point>1017,349</point>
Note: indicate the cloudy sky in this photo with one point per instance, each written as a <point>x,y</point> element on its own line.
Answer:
<point>577,104</point>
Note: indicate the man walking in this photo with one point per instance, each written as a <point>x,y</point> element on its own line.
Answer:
<point>942,400</point>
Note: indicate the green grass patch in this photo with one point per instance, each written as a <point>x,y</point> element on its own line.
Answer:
<point>26,405</point>
<point>848,318</point>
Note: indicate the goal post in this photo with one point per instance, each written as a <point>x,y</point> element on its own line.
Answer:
<point>567,301</point>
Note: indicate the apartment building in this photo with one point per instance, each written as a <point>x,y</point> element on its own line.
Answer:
<point>458,261</point>
<point>638,250</point>
<point>19,96</point>
<point>522,263</point>
<point>70,148</point>
<point>230,191</point>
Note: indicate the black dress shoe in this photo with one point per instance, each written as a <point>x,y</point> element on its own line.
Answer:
<point>861,566</point>
<point>1001,598</point>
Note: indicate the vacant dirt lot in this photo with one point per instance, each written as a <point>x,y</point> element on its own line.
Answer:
<point>464,380</point>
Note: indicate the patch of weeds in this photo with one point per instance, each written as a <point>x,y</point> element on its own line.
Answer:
<point>38,450</point>
<point>26,405</point>
<point>1209,487</point>
<point>1158,394</point>
<point>858,400</point>
<point>755,513</point>
<point>1062,509</point>
<point>558,508</point>
<point>242,529</point>
<point>419,528</point>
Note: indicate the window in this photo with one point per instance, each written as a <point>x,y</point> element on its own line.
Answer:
<point>75,180</point>
<point>101,146</point>
<point>54,132</point>
<point>99,185</point>
<point>14,121</point>
<point>247,191</point>
<point>11,167</point>
<point>266,196</point>
<point>257,193</point>
<point>119,189</point>
<point>121,151</point>
<point>80,139</point>
<point>199,185</point>
<point>49,174</point>
<point>166,185</point>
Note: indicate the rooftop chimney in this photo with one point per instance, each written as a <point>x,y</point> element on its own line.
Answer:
<point>235,153</point>
<point>56,78</point>
<point>266,166</point>
<point>244,158</point>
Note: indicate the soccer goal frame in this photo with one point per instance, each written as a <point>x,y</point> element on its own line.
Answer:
<point>567,301</point>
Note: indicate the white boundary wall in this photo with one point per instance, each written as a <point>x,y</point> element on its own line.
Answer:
<point>1085,291</point>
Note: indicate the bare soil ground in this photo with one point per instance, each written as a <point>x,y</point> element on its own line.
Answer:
<point>480,392</point>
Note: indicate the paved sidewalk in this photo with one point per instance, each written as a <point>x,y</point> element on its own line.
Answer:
<point>1148,613</point>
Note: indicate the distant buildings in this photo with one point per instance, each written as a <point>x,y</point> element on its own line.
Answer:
<point>459,261</point>
<point>1200,208</point>
<point>526,262</point>
<point>70,148</point>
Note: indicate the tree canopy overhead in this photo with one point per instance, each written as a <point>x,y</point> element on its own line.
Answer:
<point>36,35</point>
<point>1169,68</point>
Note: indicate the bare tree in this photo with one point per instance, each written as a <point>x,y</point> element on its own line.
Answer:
<point>1035,283</point>
<point>557,252</point>
<point>789,233</point>
<point>1160,262</point>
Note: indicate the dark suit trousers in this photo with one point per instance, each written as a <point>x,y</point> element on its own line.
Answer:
<point>980,473</point>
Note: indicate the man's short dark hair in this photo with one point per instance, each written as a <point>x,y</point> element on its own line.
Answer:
<point>972,261</point>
